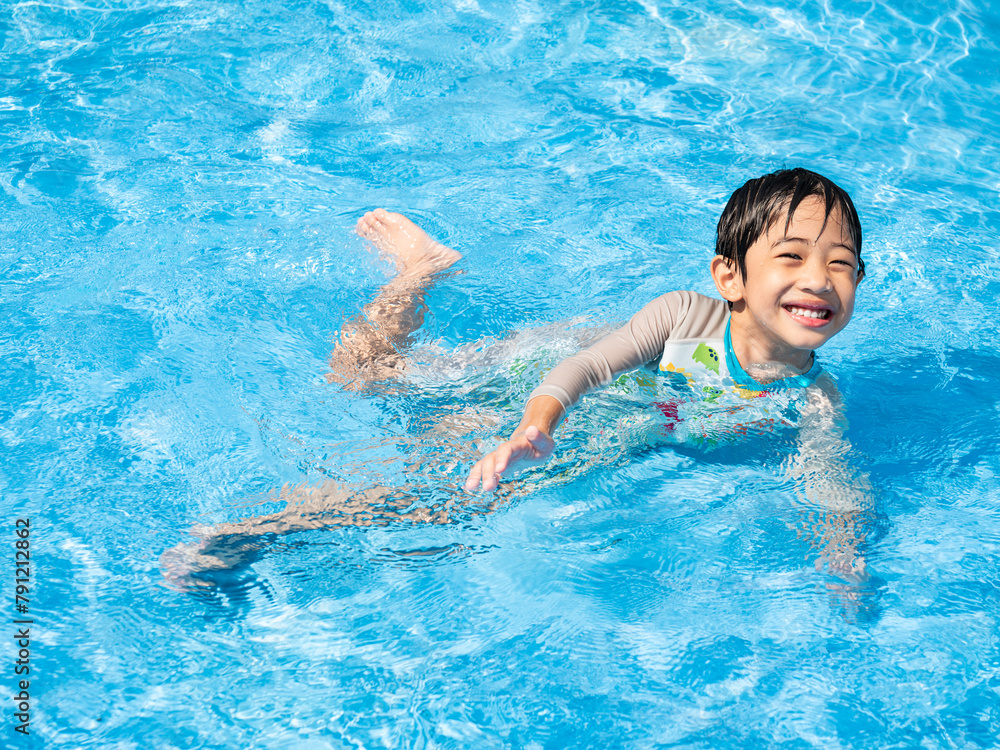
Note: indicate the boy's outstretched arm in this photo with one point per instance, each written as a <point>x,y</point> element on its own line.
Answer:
<point>530,443</point>
<point>637,342</point>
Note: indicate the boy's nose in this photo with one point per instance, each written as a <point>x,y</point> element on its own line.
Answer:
<point>816,278</point>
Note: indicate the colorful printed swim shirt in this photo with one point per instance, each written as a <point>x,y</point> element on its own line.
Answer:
<point>700,392</point>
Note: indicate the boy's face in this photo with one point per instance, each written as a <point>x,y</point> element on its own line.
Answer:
<point>799,289</point>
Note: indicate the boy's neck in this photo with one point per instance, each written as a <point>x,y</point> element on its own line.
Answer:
<point>756,349</point>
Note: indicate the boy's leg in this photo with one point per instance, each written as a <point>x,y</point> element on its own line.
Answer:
<point>307,507</point>
<point>372,346</point>
<point>329,505</point>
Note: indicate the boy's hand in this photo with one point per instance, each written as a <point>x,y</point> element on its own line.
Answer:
<point>529,447</point>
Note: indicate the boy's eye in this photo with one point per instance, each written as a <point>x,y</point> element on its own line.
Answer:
<point>794,256</point>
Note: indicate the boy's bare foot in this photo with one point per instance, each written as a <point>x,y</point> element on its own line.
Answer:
<point>415,253</point>
<point>185,566</point>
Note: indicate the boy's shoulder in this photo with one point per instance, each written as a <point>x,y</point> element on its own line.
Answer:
<point>685,314</point>
<point>687,297</point>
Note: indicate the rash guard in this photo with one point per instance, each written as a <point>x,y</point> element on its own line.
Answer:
<point>683,333</point>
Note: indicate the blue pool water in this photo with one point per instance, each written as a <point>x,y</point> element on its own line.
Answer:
<point>180,183</point>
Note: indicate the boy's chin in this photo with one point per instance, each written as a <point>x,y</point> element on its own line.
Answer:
<point>808,338</point>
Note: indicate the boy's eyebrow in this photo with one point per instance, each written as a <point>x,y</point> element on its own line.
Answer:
<point>802,239</point>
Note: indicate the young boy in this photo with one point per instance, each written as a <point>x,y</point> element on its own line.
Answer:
<point>787,265</point>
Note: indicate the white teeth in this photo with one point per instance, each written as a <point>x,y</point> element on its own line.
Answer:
<point>806,313</point>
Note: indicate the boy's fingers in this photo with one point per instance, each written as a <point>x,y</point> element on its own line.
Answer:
<point>483,472</point>
<point>502,458</point>
<point>485,467</point>
<point>475,474</point>
<point>491,467</point>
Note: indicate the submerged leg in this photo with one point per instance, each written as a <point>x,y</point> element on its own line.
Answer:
<point>373,345</point>
<point>329,505</point>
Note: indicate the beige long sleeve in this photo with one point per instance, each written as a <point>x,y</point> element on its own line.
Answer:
<point>675,316</point>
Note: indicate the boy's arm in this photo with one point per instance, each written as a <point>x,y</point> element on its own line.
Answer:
<point>637,342</point>
<point>835,498</point>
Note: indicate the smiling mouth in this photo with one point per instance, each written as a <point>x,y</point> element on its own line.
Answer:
<point>815,313</point>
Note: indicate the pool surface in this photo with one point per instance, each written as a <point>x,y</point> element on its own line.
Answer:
<point>180,182</point>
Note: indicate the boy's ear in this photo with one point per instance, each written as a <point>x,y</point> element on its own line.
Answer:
<point>727,279</point>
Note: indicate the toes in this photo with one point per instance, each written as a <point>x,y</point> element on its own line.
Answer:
<point>397,223</point>
<point>371,226</point>
<point>363,226</point>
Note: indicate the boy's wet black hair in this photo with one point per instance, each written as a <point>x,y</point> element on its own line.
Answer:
<point>756,206</point>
